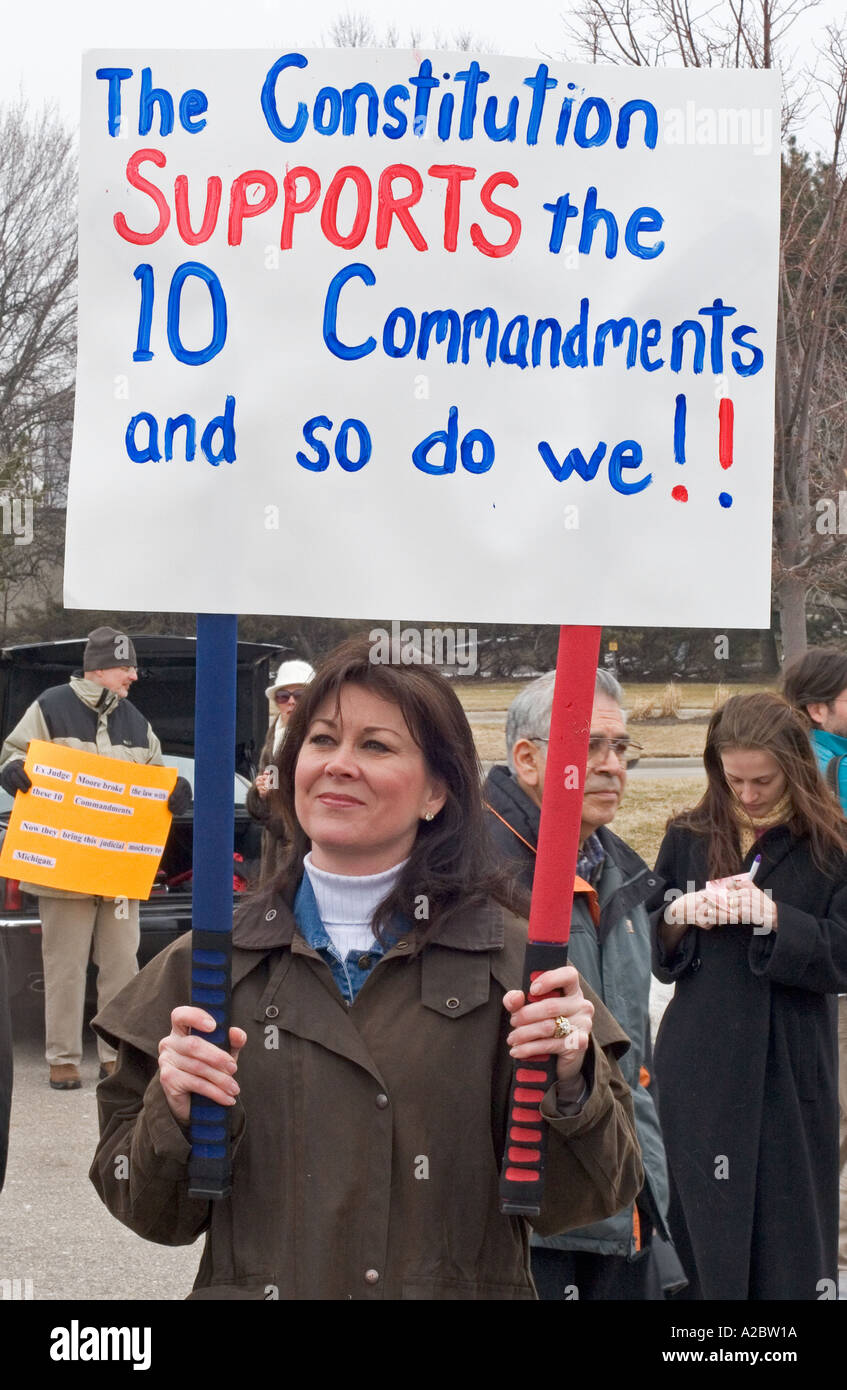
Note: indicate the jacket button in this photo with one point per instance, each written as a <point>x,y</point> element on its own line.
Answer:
<point>272,1011</point>
<point>695,964</point>
<point>381,1101</point>
<point>452,1003</point>
<point>364,962</point>
<point>372,1276</point>
<point>402,944</point>
<point>269,916</point>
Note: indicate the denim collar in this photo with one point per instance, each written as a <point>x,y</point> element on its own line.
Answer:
<point>311,927</point>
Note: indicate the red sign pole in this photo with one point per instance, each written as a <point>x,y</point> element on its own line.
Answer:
<point>522,1176</point>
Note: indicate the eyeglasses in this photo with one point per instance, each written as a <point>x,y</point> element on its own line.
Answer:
<point>283,696</point>
<point>599,745</point>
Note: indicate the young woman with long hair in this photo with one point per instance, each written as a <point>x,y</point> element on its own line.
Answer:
<point>753,931</point>
<point>375,1017</point>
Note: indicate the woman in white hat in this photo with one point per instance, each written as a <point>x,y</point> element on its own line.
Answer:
<point>283,694</point>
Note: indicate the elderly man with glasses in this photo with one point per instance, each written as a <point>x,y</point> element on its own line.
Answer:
<point>627,1255</point>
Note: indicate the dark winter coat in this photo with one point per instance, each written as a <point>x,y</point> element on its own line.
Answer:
<point>614,958</point>
<point>368,1137</point>
<point>511,811</point>
<point>746,1065</point>
<point>266,812</point>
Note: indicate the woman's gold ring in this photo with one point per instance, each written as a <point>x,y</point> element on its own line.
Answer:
<point>563,1027</point>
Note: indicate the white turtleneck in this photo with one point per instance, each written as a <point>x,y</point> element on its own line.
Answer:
<point>347,903</point>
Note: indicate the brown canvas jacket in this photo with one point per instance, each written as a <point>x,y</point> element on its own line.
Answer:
<point>367,1138</point>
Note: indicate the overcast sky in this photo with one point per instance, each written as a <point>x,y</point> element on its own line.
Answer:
<point>42,40</point>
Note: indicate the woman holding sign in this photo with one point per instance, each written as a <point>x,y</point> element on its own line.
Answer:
<point>375,1020</point>
<point>753,931</point>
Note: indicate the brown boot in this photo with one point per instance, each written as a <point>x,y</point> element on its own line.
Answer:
<point>106,1069</point>
<point>65,1077</point>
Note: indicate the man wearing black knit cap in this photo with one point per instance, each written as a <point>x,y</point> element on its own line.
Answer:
<point>93,714</point>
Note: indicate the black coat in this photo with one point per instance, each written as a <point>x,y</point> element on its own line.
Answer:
<point>506,802</point>
<point>746,1062</point>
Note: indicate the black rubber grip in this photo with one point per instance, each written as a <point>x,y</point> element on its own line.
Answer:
<point>209,1164</point>
<point>522,1173</point>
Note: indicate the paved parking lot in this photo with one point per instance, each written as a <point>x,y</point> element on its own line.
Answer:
<point>54,1230</point>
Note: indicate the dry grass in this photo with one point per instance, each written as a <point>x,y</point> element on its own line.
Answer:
<point>684,740</point>
<point>486,703</point>
<point>643,707</point>
<point>498,695</point>
<point>490,740</point>
<point>666,705</point>
<point>476,695</point>
<point>722,694</point>
<point>671,701</point>
<point>693,695</point>
<point>646,806</point>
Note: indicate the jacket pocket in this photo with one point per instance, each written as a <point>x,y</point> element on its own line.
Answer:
<point>453,983</point>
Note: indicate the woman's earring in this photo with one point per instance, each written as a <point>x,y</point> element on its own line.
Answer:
<point>429,816</point>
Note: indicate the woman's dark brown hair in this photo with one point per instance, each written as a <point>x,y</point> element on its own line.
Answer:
<point>767,723</point>
<point>817,678</point>
<point>450,866</point>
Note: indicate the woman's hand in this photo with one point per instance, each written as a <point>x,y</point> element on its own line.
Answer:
<point>692,910</point>
<point>263,783</point>
<point>684,911</point>
<point>188,1064</point>
<point>534,1024</point>
<point>739,901</point>
<point>731,902</point>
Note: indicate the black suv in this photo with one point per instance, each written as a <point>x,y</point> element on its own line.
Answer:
<point>164,694</point>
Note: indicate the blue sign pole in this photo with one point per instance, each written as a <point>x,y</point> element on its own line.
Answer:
<point>209,1175</point>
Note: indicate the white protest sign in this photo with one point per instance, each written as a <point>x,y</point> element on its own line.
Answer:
<point>366,332</point>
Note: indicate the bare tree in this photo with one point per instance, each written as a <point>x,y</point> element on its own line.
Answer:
<point>356,30</point>
<point>686,33</point>
<point>37,344</point>
<point>811,411</point>
<point>811,382</point>
<point>353,31</point>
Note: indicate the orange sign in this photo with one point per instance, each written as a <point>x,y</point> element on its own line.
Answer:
<point>88,823</point>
